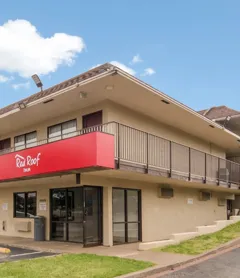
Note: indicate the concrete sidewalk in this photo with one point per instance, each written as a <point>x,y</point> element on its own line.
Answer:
<point>163,261</point>
<point>128,251</point>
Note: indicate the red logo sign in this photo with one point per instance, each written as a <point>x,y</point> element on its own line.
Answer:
<point>27,162</point>
<point>85,151</point>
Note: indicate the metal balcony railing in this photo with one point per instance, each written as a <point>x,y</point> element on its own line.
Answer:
<point>153,153</point>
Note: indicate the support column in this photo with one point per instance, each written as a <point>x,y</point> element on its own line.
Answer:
<point>107,216</point>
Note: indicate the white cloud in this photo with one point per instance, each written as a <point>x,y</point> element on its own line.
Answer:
<point>17,86</point>
<point>136,59</point>
<point>148,71</point>
<point>4,78</point>
<point>24,51</point>
<point>123,67</point>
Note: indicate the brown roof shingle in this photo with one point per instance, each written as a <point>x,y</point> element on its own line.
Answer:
<point>84,76</point>
<point>218,112</point>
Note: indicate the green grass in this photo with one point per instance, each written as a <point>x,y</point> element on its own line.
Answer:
<point>204,243</point>
<point>71,266</point>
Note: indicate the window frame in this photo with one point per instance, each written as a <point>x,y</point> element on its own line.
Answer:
<point>25,204</point>
<point>61,125</point>
<point>5,149</point>
<point>25,140</point>
<point>85,117</point>
<point>126,222</point>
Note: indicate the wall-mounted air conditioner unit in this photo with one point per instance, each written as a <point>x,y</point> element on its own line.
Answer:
<point>165,192</point>
<point>204,196</point>
<point>230,197</point>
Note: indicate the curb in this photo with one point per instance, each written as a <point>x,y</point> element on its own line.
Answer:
<point>159,269</point>
<point>5,251</point>
<point>39,249</point>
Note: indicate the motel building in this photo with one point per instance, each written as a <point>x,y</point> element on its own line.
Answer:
<point>107,159</point>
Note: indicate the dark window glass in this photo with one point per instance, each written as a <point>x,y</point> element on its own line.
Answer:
<point>5,145</point>
<point>126,215</point>
<point>118,206</point>
<point>119,233</point>
<point>25,204</point>
<point>19,205</point>
<point>93,119</point>
<point>31,204</point>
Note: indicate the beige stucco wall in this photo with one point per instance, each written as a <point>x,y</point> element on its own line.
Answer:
<point>160,217</point>
<point>42,128</point>
<point>117,113</point>
<point>131,118</point>
<point>175,215</point>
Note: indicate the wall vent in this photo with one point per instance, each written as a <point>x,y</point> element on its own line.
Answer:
<point>165,192</point>
<point>205,196</point>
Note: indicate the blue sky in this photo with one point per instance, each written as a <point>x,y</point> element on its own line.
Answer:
<point>191,46</point>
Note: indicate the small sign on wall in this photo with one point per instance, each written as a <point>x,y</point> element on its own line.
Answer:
<point>5,206</point>
<point>190,201</point>
<point>42,205</point>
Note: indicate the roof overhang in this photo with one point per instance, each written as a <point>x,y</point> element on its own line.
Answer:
<point>224,118</point>
<point>129,92</point>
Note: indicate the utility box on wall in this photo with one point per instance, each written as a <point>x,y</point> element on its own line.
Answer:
<point>165,192</point>
<point>221,202</point>
<point>205,196</point>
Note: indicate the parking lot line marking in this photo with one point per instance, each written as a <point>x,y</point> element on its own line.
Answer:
<point>25,254</point>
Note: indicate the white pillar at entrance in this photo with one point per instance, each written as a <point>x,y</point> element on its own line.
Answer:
<point>107,216</point>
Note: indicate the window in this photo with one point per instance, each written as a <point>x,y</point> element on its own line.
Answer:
<point>91,120</point>
<point>27,140</point>
<point>62,130</point>
<point>5,145</point>
<point>25,204</point>
<point>126,215</point>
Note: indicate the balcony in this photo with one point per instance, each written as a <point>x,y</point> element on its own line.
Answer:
<point>136,150</point>
<point>72,155</point>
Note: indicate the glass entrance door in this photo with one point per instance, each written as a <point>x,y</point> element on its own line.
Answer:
<point>126,215</point>
<point>58,214</point>
<point>76,215</point>
<point>92,216</point>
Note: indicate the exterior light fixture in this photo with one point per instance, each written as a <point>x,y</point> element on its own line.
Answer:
<point>109,87</point>
<point>83,95</point>
<point>165,101</point>
<point>37,81</point>
<point>21,105</point>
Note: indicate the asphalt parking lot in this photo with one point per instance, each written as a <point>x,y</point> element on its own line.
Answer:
<point>18,254</point>
<point>222,266</point>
